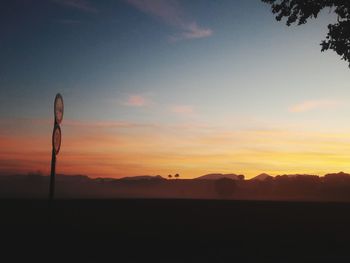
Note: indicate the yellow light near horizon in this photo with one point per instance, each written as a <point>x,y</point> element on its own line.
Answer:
<point>100,152</point>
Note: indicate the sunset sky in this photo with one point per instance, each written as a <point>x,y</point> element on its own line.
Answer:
<point>162,87</point>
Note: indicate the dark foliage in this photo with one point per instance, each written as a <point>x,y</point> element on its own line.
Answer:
<point>300,11</point>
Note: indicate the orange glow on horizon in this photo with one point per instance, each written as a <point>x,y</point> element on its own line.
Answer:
<point>102,151</point>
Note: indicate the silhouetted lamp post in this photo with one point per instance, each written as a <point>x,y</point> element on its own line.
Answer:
<point>56,141</point>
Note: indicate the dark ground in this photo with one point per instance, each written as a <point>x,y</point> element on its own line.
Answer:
<point>176,231</point>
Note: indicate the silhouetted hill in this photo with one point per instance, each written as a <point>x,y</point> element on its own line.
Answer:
<point>340,175</point>
<point>296,175</point>
<point>301,187</point>
<point>143,177</point>
<point>220,176</point>
<point>262,177</point>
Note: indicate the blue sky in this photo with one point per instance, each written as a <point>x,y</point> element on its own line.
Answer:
<point>225,65</point>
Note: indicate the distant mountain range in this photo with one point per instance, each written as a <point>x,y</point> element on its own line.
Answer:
<point>265,176</point>
<point>221,176</point>
<point>331,187</point>
<point>142,177</point>
<point>212,176</point>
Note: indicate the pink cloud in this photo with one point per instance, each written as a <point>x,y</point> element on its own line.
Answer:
<point>171,13</point>
<point>192,32</point>
<point>313,105</point>
<point>183,109</point>
<point>82,5</point>
<point>136,101</point>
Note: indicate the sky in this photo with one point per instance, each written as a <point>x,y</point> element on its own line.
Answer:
<point>162,87</point>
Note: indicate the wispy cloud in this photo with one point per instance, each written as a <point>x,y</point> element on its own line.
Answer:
<point>310,105</point>
<point>193,32</point>
<point>171,13</point>
<point>107,124</point>
<point>136,101</point>
<point>82,5</point>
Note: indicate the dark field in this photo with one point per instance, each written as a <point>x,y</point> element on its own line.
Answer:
<point>176,231</point>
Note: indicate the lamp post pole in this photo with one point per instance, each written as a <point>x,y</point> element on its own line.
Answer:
<point>52,176</point>
<point>56,143</point>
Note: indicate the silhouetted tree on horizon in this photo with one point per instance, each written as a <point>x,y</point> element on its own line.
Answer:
<point>170,176</point>
<point>300,11</point>
<point>176,176</point>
